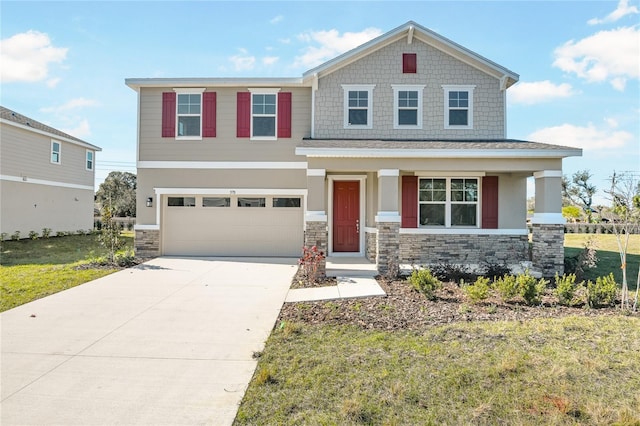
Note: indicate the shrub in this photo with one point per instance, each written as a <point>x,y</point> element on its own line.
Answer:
<point>506,287</point>
<point>15,236</point>
<point>310,263</point>
<point>46,232</point>
<point>423,281</point>
<point>566,288</point>
<point>125,258</point>
<point>479,290</point>
<point>495,270</point>
<point>529,288</point>
<point>453,273</point>
<point>4,236</point>
<point>603,292</point>
<point>33,235</point>
<point>129,226</point>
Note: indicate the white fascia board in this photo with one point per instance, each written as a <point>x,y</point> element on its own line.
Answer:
<point>137,83</point>
<point>230,191</point>
<point>275,165</point>
<point>548,174</point>
<point>463,231</point>
<point>50,135</point>
<point>436,153</point>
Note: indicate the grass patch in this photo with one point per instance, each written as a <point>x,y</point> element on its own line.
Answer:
<point>31,269</point>
<point>545,371</point>
<point>608,255</point>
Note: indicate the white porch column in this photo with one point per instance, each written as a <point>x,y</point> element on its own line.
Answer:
<point>548,223</point>
<point>315,221</point>
<point>388,219</point>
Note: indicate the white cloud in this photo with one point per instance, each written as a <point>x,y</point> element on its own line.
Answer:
<point>26,57</point>
<point>622,10</point>
<point>53,82</point>
<point>71,105</point>
<point>330,44</point>
<point>607,55</point>
<point>276,19</point>
<point>270,60</point>
<point>243,61</point>
<point>82,130</point>
<point>588,137</point>
<point>535,92</point>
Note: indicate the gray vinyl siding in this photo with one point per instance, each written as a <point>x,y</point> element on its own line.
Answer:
<point>28,154</point>
<point>225,146</point>
<point>434,69</point>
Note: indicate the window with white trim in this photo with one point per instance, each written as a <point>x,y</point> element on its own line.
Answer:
<point>56,148</point>
<point>89,160</point>
<point>358,106</point>
<point>181,201</point>
<point>448,202</point>
<point>458,106</point>
<point>189,113</point>
<point>407,106</point>
<point>264,107</point>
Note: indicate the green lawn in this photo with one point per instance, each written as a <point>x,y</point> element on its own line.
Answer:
<point>608,255</point>
<point>31,269</point>
<point>574,370</point>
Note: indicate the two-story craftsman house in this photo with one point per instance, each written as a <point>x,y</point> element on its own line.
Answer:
<point>396,151</point>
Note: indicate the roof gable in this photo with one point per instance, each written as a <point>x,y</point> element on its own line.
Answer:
<point>411,31</point>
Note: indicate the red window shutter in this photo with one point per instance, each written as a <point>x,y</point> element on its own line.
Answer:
<point>169,115</point>
<point>243,127</point>
<point>284,115</point>
<point>209,114</point>
<point>490,202</point>
<point>409,202</point>
<point>409,63</point>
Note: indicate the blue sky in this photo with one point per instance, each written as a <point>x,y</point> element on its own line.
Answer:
<point>64,63</point>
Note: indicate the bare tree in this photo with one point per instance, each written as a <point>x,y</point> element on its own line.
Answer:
<point>579,191</point>
<point>625,219</point>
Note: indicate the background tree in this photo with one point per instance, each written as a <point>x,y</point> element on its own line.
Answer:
<point>118,191</point>
<point>579,191</point>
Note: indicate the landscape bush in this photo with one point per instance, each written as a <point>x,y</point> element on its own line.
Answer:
<point>46,232</point>
<point>424,281</point>
<point>530,288</point>
<point>479,290</point>
<point>310,263</point>
<point>15,236</point>
<point>566,288</point>
<point>603,292</point>
<point>506,287</point>
<point>496,270</point>
<point>33,235</point>
<point>453,272</point>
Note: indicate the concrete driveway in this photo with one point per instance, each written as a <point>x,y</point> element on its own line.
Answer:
<point>167,342</point>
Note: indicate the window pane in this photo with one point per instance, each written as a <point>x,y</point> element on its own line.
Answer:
<point>358,98</point>
<point>182,201</point>
<point>251,202</point>
<point>440,184</point>
<point>188,126</point>
<point>407,117</point>
<point>432,214</point>
<point>426,184</point>
<point>463,214</point>
<point>458,117</point>
<point>358,116</point>
<point>264,126</point>
<point>216,202</point>
<point>471,190</point>
<point>286,202</point>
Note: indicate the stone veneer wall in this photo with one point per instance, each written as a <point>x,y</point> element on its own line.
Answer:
<point>147,243</point>
<point>388,247</point>
<point>547,250</point>
<point>371,245</point>
<point>315,234</point>
<point>463,249</point>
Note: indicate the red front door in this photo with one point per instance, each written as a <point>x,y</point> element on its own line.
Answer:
<point>346,216</point>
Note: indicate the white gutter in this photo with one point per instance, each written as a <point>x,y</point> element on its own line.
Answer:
<point>437,153</point>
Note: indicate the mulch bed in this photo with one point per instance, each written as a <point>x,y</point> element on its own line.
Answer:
<point>407,309</point>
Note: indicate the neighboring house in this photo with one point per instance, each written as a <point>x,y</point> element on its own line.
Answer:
<point>46,178</point>
<point>396,150</point>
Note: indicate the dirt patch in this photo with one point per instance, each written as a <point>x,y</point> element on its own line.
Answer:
<point>406,308</point>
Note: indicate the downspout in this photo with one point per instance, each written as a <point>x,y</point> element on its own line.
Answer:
<point>503,88</point>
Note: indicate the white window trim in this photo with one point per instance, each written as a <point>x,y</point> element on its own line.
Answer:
<point>448,203</point>
<point>189,91</point>
<point>363,88</point>
<point>59,152</point>
<point>86,160</point>
<point>458,88</point>
<point>264,91</point>
<point>410,88</point>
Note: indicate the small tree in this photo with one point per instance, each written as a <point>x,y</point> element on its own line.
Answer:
<point>624,194</point>
<point>109,235</point>
<point>579,191</point>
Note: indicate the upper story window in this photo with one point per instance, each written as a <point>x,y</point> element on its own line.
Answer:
<point>56,148</point>
<point>448,202</point>
<point>89,160</point>
<point>358,106</point>
<point>407,106</point>
<point>189,117</point>
<point>458,107</point>
<point>263,115</point>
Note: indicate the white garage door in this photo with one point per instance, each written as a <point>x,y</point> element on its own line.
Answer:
<point>232,226</point>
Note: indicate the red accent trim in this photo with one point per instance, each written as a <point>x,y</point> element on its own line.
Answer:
<point>284,114</point>
<point>409,202</point>
<point>209,115</point>
<point>409,63</point>
<point>169,114</point>
<point>243,127</point>
<point>490,202</point>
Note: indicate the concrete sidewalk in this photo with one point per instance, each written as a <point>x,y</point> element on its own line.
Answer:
<point>168,342</point>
